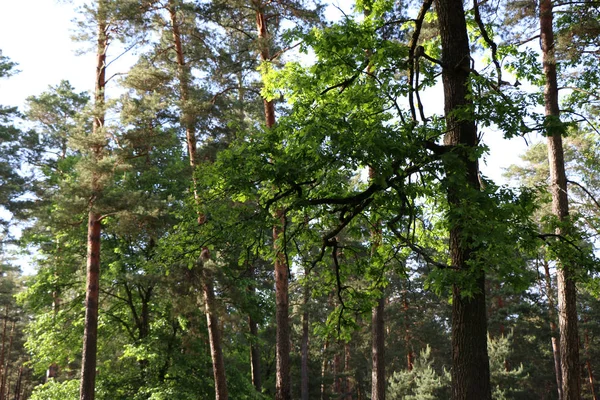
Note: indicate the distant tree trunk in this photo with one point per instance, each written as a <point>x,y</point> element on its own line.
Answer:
<point>470,363</point>
<point>304,392</point>
<point>588,365</point>
<point>324,369</point>
<point>18,384</point>
<point>254,355</point>
<point>187,119</point>
<point>3,385</point>
<point>337,374</point>
<point>565,274</point>
<point>2,351</point>
<point>282,347</point>
<point>378,382</point>
<point>348,387</point>
<point>407,335</point>
<point>553,331</point>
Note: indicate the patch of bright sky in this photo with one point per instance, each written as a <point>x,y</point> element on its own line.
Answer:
<point>36,34</point>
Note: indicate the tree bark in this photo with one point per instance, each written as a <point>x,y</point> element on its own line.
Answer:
<point>304,392</point>
<point>378,351</point>
<point>553,331</point>
<point>3,387</point>
<point>324,369</point>
<point>187,119</point>
<point>90,335</point>
<point>282,351</point>
<point>470,363</point>
<point>254,355</point>
<point>565,274</point>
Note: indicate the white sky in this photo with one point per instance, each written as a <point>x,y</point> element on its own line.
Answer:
<point>36,34</point>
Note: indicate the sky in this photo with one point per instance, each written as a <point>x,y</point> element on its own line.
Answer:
<point>36,34</point>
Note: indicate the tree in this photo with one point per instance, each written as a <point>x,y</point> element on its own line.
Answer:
<point>470,364</point>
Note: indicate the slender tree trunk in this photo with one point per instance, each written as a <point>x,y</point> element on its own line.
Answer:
<point>565,274</point>
<point>553,331</point>
<point>407,335</point>
<point>470,363</point>
<point>337,374</point>
<point>324,369</point>
<point>18,384</point>
<point>304,392</point>
<point>588,365</point>
<point>348,388</point>
<point>90,335</point>
<point>378,382</point>
<point>254,355</point>
<point>282,347</point>
<point>208,295</point>
<point>3,386</point>
<point>2,351</point>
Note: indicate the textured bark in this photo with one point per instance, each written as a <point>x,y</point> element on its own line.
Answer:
<point>470,363</point>
<point>378,382</point>
<point>187,120</point>
<point>282,347</point>
<point>565,274</point>
<point>553,330</point>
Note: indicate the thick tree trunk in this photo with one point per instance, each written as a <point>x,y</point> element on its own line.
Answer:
<point>470,363</point>
<point>208,295</point>
<point>282,350</point>
<point>565,274</point>
<point>553,331</point>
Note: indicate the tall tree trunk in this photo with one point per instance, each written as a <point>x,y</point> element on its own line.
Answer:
<point>470,363</point>
<point>378,382</point>
<point>3,385</point>
<point>187,119</point>
<point>18,384</point>
<point>378,351</point>
<point>304,392</point>
<point>565,274</point>
<point>254,354</point>
<point>553,330</point>
<point>2,351</point>
<point>337,373</point>
<point>407,335</point>
<point>90,335</point>
<point>348,388</point>
<point>324,369</point>
<point>282,347</point>
<point>588,365</point>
